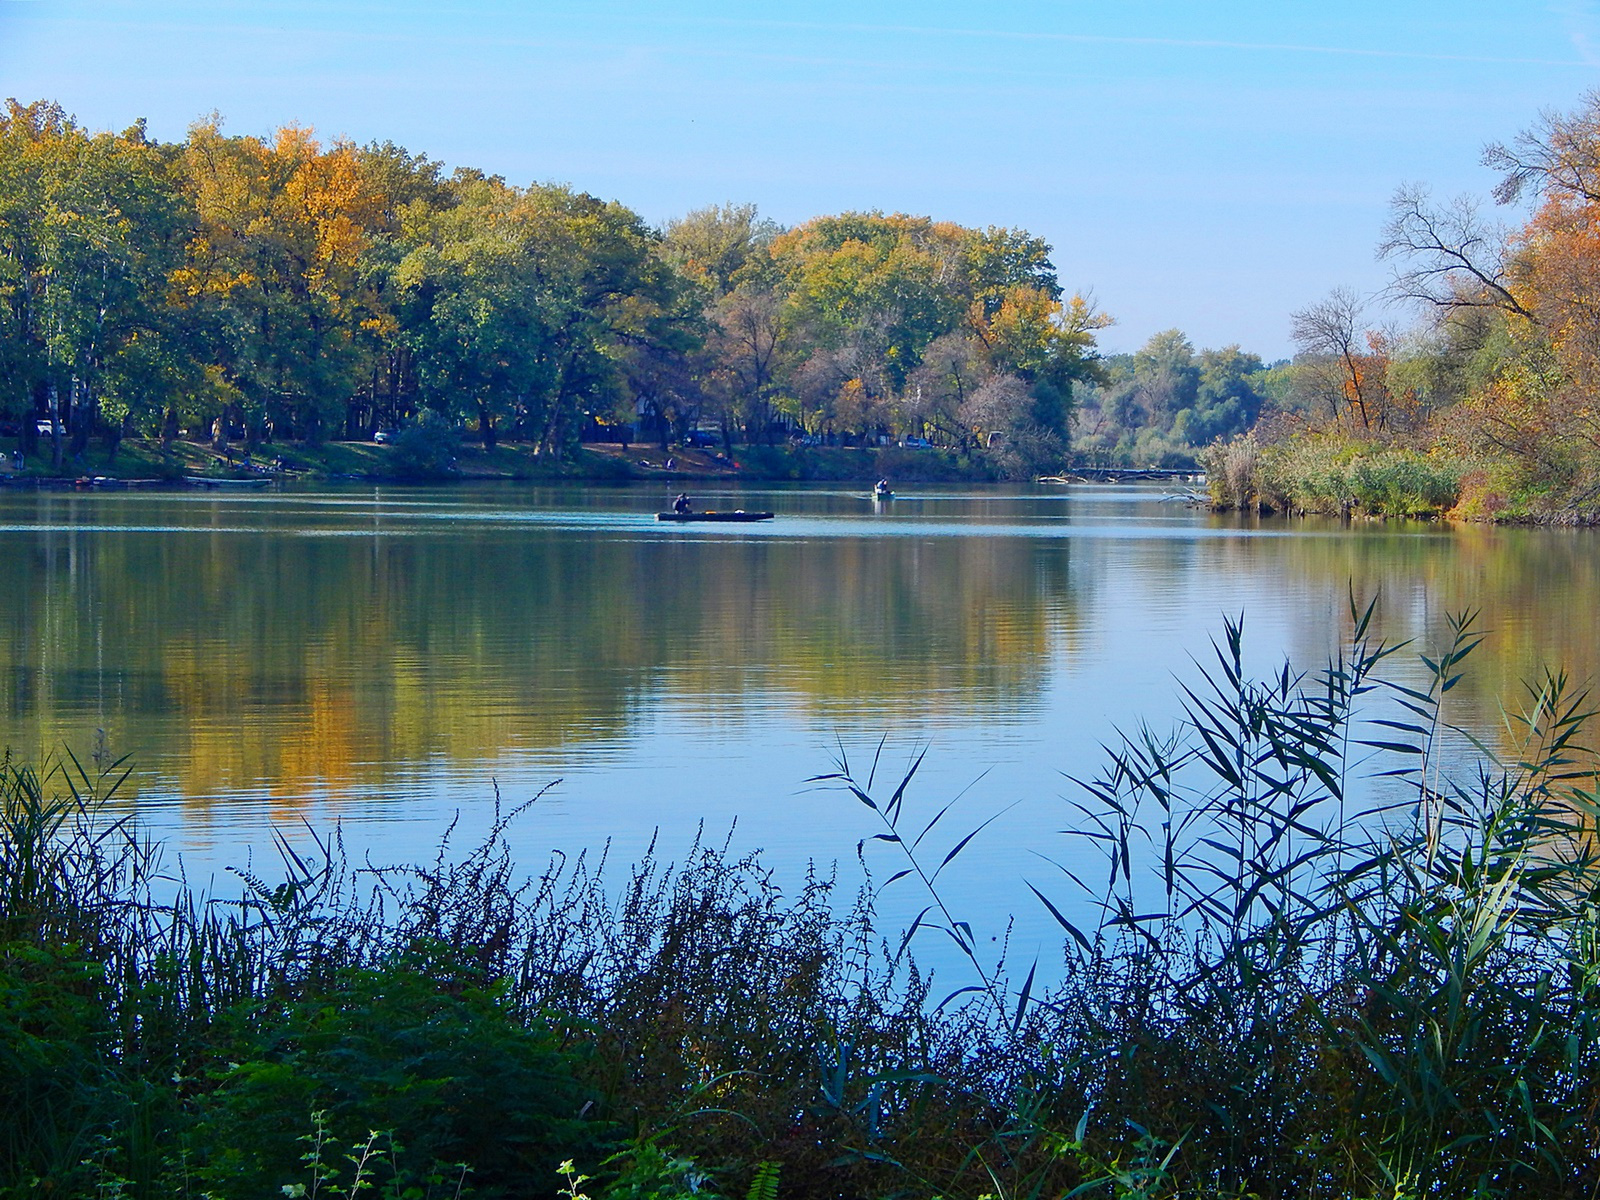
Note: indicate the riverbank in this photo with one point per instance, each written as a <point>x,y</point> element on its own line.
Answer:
<point>1338,475</point>
<point>140,460</point>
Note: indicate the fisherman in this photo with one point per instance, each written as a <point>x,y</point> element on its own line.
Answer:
<point>680,503</point>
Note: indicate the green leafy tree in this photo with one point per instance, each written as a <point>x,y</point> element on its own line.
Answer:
<point>887,284</point>
<point>89,229</point>
<point>527,307</point>
<point>721,246</point>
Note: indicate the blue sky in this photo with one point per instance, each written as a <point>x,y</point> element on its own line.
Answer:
<point>1206,166</point>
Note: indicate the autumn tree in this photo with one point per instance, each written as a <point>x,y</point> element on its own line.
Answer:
<point>1343,362</point>
<point>1540,407</point>
<point>751,352</point>
<point>273,285</point>
<point>1050,346</point>
<point>721,246</point>
<point>879,291</point>
<point>875,284</point>
<point>1001,411</point>
<point>1517,311</point>
<point>997,261</point>
<point>406,186</point>
<point>954,365</point>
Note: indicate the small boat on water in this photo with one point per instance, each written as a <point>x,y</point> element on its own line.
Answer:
<point>737,514</point>
<point>882,491</point>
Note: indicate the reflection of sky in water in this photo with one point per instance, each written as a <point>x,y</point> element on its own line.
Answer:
<point>1087,603</point>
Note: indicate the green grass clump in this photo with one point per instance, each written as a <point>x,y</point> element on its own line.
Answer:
<point>1332,475</point>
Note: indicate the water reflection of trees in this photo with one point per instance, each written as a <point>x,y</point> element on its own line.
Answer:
<point>325,662</point>
<point>1535,590</point>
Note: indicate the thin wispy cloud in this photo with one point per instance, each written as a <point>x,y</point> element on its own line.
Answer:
<point>1101,39</point>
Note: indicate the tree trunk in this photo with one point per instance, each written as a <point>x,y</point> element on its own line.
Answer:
<point>28,437</point>
<point>114,435</point>
<point>55,428</point>
<point>83,408</point>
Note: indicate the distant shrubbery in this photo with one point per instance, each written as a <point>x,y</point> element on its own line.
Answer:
<point>1160,406</point>
<point>426,449</point>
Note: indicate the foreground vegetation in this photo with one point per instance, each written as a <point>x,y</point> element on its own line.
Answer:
<point>1280,996</point>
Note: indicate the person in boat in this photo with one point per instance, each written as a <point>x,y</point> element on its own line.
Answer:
<point>881,488</point>
<point>680,503</point>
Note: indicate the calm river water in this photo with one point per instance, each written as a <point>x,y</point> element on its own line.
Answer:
<point>388,656</point>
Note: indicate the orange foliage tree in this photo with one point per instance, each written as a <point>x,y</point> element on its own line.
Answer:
<point>272,282</point>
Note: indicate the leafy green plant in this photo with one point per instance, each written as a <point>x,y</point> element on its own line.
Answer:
<point>425,449</point>
<point>417,1045</point>
<point>374,1165</point>
<point>764,1183</point>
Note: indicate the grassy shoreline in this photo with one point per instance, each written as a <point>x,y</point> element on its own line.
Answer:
<point>1307,477</point>
<point>1334,475</point>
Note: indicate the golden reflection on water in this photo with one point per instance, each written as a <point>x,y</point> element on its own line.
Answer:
<point>240,654</point>
<point>323,644</point>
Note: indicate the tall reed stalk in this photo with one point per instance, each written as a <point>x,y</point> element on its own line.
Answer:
<point>1318,962</point>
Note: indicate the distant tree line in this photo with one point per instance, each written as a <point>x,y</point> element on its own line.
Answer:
<point>1157,406</point>
<point>283,287</point>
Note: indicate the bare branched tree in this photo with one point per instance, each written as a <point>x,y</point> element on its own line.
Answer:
<point>1000,403</point>
<point>1560,153</point>
<point>1330,330</point>
<point>1451,258</point>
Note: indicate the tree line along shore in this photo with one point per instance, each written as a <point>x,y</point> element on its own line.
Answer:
<point>272,297</point>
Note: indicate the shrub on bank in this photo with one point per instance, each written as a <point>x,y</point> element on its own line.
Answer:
<point>418,1046</point>
<point>427,448</point>
<point>1317,473</point>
